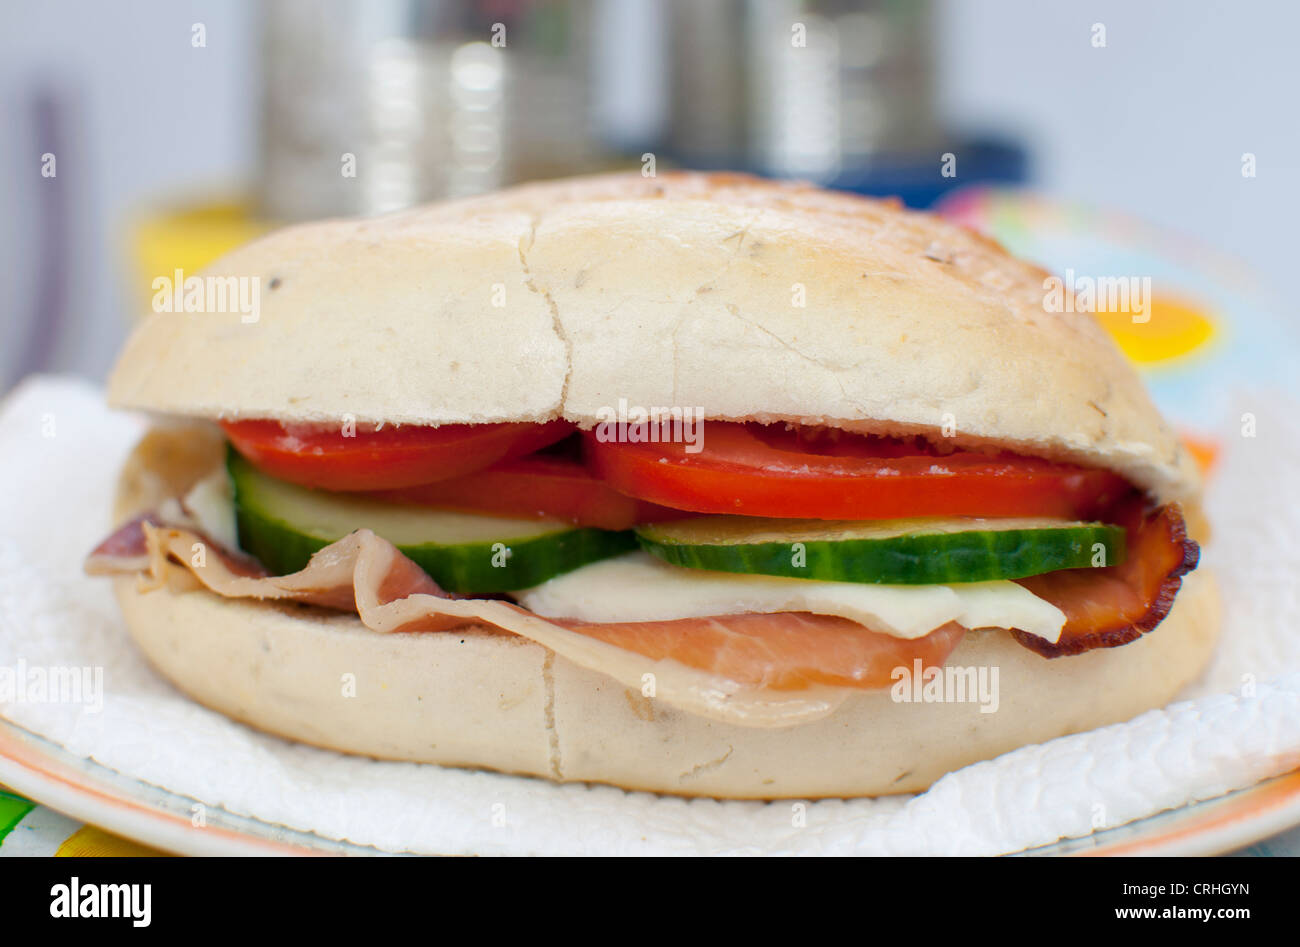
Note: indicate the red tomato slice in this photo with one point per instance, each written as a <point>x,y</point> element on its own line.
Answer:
<point>542,486</point>
<point>1111,606</point>
<point>782,471</point>
<point>387,459</point>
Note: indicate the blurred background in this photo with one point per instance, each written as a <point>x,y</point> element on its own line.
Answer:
<point>1110,137</point>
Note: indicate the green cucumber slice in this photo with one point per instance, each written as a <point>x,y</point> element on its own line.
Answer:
<point>283,524</point>
<point>887,552</point>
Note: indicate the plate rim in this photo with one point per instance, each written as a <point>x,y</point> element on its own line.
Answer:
<point>85,789</point>
<point>82,788</point>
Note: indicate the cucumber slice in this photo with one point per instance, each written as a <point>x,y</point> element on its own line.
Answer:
<point>283,524</point>
<point>887,552</point>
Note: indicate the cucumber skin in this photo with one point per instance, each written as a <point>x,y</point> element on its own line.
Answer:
<point>921,559</point>
<point>464,569</point>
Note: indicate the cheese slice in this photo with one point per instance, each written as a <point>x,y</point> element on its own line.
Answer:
<point>211,505</point>
<point>639,587</point>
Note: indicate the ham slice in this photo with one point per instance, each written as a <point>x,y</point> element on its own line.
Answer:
<point>751,670</point>
<point>1105,608</point>
<point>781,650</point>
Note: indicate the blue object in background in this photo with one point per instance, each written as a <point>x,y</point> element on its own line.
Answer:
<point>920,182</point>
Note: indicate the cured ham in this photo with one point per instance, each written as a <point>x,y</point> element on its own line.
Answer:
<point>755,669</point>
<point>744,669</point>
<point>1112,606</point>
<point>781,650</point>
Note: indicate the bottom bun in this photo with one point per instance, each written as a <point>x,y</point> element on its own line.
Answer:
<point>478,698</point>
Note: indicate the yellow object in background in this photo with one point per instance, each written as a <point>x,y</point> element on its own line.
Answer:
<point>189,238</point>
<point>90,842</point>
<point>29,829</point>
<point>1175,327</point>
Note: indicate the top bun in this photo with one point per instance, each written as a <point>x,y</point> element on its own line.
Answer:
<point>750,299</point>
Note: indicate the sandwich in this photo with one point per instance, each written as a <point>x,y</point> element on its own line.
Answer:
<point>697,484</point>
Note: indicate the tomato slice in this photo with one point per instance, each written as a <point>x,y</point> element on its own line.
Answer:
<point>775,470</point>
<point>539,485</point>
<point>390,458</point>
<point>1111,606</point>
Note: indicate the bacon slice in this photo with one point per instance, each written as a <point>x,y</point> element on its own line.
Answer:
<point>1108,607</point>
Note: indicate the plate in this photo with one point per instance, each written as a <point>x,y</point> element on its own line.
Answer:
<point>46,773</point>
<point>84,790</point>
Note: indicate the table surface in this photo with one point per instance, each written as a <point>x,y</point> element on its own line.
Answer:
<point>27,828</point>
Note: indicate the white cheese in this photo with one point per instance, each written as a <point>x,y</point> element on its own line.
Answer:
<point>639,587</point>
<point>211,505</point>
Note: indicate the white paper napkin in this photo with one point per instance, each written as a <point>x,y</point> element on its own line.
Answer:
<point>61,450</point>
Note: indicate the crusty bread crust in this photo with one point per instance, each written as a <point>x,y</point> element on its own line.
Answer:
<point>743,297</point>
